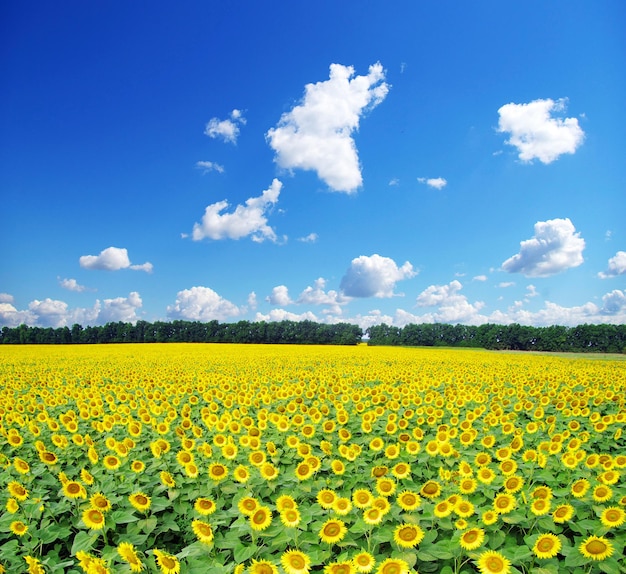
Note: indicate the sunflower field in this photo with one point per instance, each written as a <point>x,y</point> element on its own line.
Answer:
<point>263,459</point>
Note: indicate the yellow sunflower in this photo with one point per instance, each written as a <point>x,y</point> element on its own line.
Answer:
<point>140,501</point>
<point>100,502</point>
<point>167,479</point>
<point>385,486</point>
<point>111,462</point>
<point>562,513</point>
<point>364,562</point>
<point>340,568</point>
<point>443,509</point>
<point>137,466</point>
<point>362,498</point>
<point>168,563</point>
<point>408,500</point>
<point>613,516</point>
<point>596,548</point>
<point>261,518</point>
<point>547,546</point>
<point>21,465</point>
<point>248,505</point>
<point>217,471</point>
<point>203,531</point>
<point>431,489</point>
<point>241,474</point>
<point>333,530</point>
<point>489,517</point>
<point>73,489</point>
<point>373,515</point>
<point>580,488</point>
<point>128,553</point>
<point>34,565</point>
<point>393,566</point>
<point>602,493</point>
<point>342,506</point>
<point>540,506</point>
<point>284,501</point>
<point>18,528</point>
<point>290,517</point>
<point>204,506</point>
<point>295,562</point>
<point>504,503</point>
<point>12,506</point>
<point>472,538</point>
<point>326,498</point>
<point>93,519</point>
<point>408,535</point>
<point>16,490</point>
<point>492,562</point>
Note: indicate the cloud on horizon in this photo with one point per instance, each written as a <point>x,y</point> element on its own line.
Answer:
<point>374,276</point>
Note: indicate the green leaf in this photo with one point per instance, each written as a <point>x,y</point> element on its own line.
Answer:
<point>575,559</point>
<point>123,516</point>
<point>83,541</point>
<point>610,566</point>
<point>243,553</point>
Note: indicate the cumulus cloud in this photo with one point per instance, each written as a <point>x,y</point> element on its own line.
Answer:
<point>252,300</point>
<point>227,129</point>
<point>374,276</point>
<point>310,238</point>
<point>617,266</point>
<point>247,220</point>
<point>317,134</point>
<point>279,296</point>
<point>6,298</point>
<point>555,248</point>
<point>316,295</point>
<point>536,133</point>
<point>72,285</point>
<point>452,306</point>
<point>201,304</point>
<point>436,182</point>
<point>531,291</point>
<point>282,315</point>
<point>112,259</point>
<point>207,166</point>
<point>55,313</point>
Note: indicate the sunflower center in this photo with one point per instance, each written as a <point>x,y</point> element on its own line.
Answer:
<point>470,536</point>
<point>495,564</point>
<point>596,547</point>
<point>331,529</point>
<point>297,562</point>
<point>218,470</point>
<point>95,516</point>
<point>407,534</point>
<point>168,562</point>
<point>560,512</point>
<point>141,499</point>
<point>545,544</point>
<point>502,503</point>
<point>612,515</point>
<point>73,488</point>
<point>391,568</point>
<point>259,517</point>
<point>430,488</point>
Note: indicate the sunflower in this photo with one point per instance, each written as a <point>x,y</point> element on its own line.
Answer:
<point>12,506</point>
<point>482,459</point>
<point>34,565</point>
<point>562,513</point>
<point>408,500</point>
<point>21,465</point>
<point>269,471</point>
<point>241,474</point>
<point>613,516</point>
<point>111,462</point>
<point>326,498</point>
<point>472,538</point>
<point>393,566</point>
<point>86,477</point>
<point>513,484</point>
<point>596,548</point>
<point>100,502</point>
<point>443,509</point>
<point>401,470</point>
<point>431,489</point>
<point>385,486</point>
<point>167,479</point>
<point>373,515</point>
<point>73,489</point>
<point>340,568</point>
<point>217,471</point>
<point>16,490</point>
<point>364,561</point>
<point>547,546</point>
<point>262,567</point>
<point>468,485</point>
<point>48,457</point>
<point>137,466</point>
<point>140,501</point>
<point>204,506</point>
<point>489,517</point>
<point>93,519</point>
<point>248,505</point>
<point>464,508</point>
<point>261,518</point>
<point>290,517</point>
<point>304,471</point>
<point>580,488</point>
<point>408,535</point>
<point>540,506</point>
<point>203,531</point>
<point>504,503</point>
<point>332,531</point>
<point>492,562</point>
<point>168,563</point>
<point>602,493</point>
<point>342,506</point>
<point>295,562</point>
<point>544,492</point>
<point>284,501</point>
<point>128,553</point>
<point>362,498</point>
<point>18,528</point>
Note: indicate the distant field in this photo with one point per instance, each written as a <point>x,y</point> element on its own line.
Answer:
<point>270,459</point>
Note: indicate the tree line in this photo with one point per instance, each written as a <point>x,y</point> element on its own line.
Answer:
<point>294,332</point>
<point>583,338</point>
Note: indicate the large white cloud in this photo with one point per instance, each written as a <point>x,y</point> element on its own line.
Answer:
<point>556,247</point>
<point>202,304</point>
<point>317,134</point>
<point>617,266</point>
<point>538,135</point>
<point>247,220</point>
<point>374,276</point>
<point>317,295</point>
<point>279,296</point>
<point>55,313</point>
<point>452,306</point>
<point>227,129</point>
<point>112,259</point>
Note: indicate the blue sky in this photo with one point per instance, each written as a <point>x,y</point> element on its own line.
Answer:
<point>366,162</point>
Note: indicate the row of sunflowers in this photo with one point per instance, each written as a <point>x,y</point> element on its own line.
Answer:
<point>294,460</point>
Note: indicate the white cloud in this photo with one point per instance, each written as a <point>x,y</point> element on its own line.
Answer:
<point>617,266</point>
<point>531,291</point>
<point>279,296</point>
<point>282,315</point>
<point>317,134</point>
<point>6,298</point>
<point>201,304</point>
<point>479,278</point>
<point>316,295</point>
<point>374,276</point>
<point>227,129</point>
<point>452,307</point>
<point>247,220</point>
<point>207,166</point>
<point>538,135</point>
<point>252,300</point>
<point>310,238</point>
<point>72,285</point>
<point>55,313</point>
<point>436,182</point>
<point>112,259</point>
<point>394,181</point>
<point>505,284</point>
<point>555,247</point>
